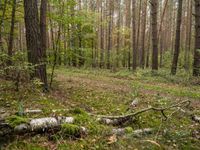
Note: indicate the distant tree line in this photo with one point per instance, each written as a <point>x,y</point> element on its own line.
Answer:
<point>111,34</point>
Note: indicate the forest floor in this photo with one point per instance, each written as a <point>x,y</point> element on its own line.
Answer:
<point>102,92</point>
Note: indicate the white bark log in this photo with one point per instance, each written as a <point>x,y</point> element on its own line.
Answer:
<point>122,131</point>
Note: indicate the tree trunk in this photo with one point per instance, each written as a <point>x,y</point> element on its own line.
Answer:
<point>1,23</point>
<point>138,33</point>
<point>101,39</point>
<point>134,65</point>
<point>154,11</point>
<point>177,41</point>
<point>118,32</point>
<point>11,38</point>
<point>128,36</point>
<point>188,36</point>
<point>43,31</point>
<point>196,65</point>
<point>109,33</point>
<point>142,62</point>
<point>33,40</point>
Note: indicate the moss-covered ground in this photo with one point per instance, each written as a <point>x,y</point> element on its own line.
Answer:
<point>101,92</point>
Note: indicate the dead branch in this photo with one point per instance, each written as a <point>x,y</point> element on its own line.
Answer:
<point>114,119</point>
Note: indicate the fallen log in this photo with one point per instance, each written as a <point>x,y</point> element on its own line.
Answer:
<point>128,130</point>
<point>39,125</point>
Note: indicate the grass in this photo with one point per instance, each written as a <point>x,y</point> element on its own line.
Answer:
<point>103,92</point>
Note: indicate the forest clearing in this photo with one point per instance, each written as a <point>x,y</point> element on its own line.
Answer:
<point>101,92</point>
<point>99,74</point>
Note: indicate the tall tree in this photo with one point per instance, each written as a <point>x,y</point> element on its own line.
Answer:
<point>128,35</point>
<point>196,66</point>
<point>102,37</point>
<point>11,37</point>
<point>4,6</point>
<point>177,41</point>
<point>43,31</point>
<point>111,7</point>
<point>154,11</point>
<point>138,31</point>
<point>118,32</point>
<point>188,35</point>
<point>144,16</point>
<point>134,62</point>
<point>33,40</point>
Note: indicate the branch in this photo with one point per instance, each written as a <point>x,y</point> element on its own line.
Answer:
<point>180,104</point>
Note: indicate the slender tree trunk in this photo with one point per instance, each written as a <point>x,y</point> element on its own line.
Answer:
<point>101,38</point>
<point>196,65</point>
<point>134,64</point>
<point>1,23</point>
<point>148,49</point>
<point>11,38</point>
<point>154,11</point>
<point>138,33</point>
<point>118,33</point>
<point>43,32</point>
<point>142,62</point>
<point>177,41</point>
<point>128,36</point>
<point>109,33</point>
<point>188,36</point>
<point>160,33</point>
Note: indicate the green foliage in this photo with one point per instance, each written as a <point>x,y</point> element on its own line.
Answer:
<point>24,145</point>
<point>68,130</point>
<point>128,130</point>
<point>14,120</point>
<point>78,111</point>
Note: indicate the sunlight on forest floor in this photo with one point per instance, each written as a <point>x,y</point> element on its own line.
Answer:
<point>106,93</point>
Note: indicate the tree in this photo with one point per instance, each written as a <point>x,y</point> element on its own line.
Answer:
<point>134,62</point>
<point>36,54</point>
<point>111,7</point>
<point>43,31</point>
<point>2,22</point>
<point>177,41</point>
<point>11,38</point>
<point>101,38</point>
<point>144,16</point>
<point>196,65</point>
<point>118,32</point>
<point>154,11</point>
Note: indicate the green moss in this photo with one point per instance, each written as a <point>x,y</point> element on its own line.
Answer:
<point>70,130</point>
<point>128,130</point>
<point>14,120</point>
<point>78,111</point>
<point>82,119</point>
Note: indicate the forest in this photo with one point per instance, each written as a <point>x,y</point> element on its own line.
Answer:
<point>99,74</point>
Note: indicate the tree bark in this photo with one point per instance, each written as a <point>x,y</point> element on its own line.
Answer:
<point>196,65</point>
<point>33,40</point>
<point>134,48</point>
<point>1,23</point>
<point>154,11</point>
<point>109,33</point>
<point>43,31</point>
<point>142,62</point>
<point>177,41</point>
<point>11,37</point>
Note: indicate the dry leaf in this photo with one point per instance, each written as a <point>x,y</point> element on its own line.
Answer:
<point>152,142</point>
<point>112,139</point>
